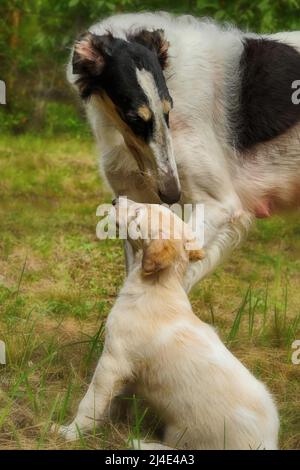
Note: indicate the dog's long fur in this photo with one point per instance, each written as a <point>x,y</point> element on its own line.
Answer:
<point>204,395</point>
<point>234,133</point>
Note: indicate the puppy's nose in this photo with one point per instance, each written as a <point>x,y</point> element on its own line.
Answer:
<point>114,201</point>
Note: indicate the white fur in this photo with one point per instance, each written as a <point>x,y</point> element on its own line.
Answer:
<point>205,396</point>
<point>162,138</point>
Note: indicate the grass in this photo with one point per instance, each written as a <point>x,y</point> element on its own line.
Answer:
<point>58,283</point>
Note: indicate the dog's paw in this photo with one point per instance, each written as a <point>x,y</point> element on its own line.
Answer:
<point>142,445</point>
<point>136,444</point>
<point>69,433</point>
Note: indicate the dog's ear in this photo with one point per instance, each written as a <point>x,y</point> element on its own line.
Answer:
<point>158,255</point>
<point>153,40</point>
<point>90,55</point>
<point>91,52</point>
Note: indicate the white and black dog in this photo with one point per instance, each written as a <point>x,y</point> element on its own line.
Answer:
<point>185,110</point>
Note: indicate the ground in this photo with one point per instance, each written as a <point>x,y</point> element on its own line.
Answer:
<point>58,283</point>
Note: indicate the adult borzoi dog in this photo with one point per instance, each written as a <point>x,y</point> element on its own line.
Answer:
<point>186,110</point>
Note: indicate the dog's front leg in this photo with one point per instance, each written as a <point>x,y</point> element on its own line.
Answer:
<point>225,226</point>
<point>129,256</point>
<point>108,381</point>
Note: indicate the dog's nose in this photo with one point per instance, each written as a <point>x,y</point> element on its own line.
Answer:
<point>114,201</point>
<point>169,198</point>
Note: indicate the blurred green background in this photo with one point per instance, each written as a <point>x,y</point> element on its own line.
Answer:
<point>36,35</point>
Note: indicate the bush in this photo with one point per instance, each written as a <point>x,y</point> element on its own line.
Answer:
<point>34,46</point>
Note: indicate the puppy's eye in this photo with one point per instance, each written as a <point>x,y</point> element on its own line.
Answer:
<point>138,212</point>
<point>134,213</point>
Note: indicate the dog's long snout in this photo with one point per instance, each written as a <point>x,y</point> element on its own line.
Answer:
<point>168,184</point>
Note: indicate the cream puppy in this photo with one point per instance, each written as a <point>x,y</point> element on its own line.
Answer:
<point>205,396</point>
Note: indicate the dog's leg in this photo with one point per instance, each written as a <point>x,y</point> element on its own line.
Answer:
<point>129,256</point>
<point>225,227</point>
<point>108,381</point>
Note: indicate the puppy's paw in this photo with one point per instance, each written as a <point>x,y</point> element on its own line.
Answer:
<point>69,433</point>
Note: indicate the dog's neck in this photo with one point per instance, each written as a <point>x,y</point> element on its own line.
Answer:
<point>155,285</point>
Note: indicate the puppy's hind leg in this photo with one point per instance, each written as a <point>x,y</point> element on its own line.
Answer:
<point>171,436</point>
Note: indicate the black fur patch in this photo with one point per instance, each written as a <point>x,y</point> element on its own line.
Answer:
<point>266,109</point>
<point>108,64</point>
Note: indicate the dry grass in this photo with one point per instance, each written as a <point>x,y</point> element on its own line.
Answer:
<point>58,282</point>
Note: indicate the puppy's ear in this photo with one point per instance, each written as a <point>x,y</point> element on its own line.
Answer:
<point>89,59</point>
<point>155,41</point>
<point>159,255</point>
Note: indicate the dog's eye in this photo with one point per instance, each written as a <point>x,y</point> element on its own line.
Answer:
<point>139,126</point>
<point>134,213</point>
<point>138,212</point>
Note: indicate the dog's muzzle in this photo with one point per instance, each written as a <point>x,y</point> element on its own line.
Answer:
<point>169,190</point>
<point>171,197</point>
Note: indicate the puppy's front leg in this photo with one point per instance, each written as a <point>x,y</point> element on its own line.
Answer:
<point>109,378</point>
